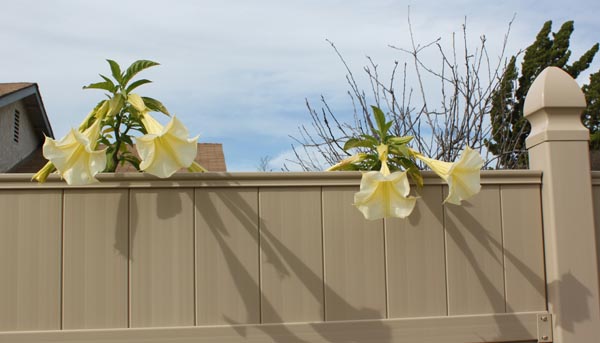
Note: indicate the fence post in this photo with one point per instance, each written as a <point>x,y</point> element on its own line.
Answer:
<point>558,146</point>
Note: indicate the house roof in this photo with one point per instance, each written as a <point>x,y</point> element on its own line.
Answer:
<point>30,95</point>
<point>7,88</point>
<point>210,156</point>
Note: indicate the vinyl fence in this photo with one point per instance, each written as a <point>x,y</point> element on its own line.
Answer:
<point>285,257</point>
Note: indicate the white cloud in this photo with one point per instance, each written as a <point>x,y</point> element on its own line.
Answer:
<point>286,160</point>
<point>238,68</point>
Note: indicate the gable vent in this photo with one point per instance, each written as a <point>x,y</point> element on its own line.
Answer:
<point>16,126</point>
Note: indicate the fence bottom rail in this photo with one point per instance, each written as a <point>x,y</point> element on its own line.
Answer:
<point>454,329</point>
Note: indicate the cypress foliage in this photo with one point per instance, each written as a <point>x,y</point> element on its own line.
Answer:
<point>503,106</point>
<point>509,126</point>
<point>591,115</point>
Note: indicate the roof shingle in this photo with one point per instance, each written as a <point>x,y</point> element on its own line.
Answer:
<point>7,88</point>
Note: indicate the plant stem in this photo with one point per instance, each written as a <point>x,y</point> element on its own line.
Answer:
<point>115,158</point>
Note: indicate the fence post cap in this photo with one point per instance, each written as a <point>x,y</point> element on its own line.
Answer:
<point>553,107</point>
<point>554,87</point>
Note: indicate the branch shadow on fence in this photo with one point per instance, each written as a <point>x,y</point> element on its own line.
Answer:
<point>284,260</point>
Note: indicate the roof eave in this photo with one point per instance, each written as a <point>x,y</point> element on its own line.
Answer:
<point>31,91</point>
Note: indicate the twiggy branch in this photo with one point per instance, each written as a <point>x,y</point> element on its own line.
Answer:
<point>441,131</point>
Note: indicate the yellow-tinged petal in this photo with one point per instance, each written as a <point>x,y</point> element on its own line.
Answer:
<point>97,113</point>
<point>196,168</point>
<point>74,156</point>
<point>164,150</point>
<point>114,105</point>
<point>103,110</point>
<point>43,173</point>
<point>385,170</point>
<point>462,176</point>
<point>137,102</point>
<point>439,167</point>
<point>382,151</point>
<point>152,125</point>
<point>347,161</point>
<point>383,196</point>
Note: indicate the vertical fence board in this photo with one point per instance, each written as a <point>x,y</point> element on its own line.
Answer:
<point>354,259</point>
<point>96,256</point>
<point>162,257</point>
<point>30,259</point>
<point>474,254</point>
<point>596,197</point>
<point>523,248</point>
<point>416,260</point>
<point>227,285</point>
<point>291,254</point>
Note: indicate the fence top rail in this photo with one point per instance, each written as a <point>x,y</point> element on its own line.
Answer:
<point>254,179</point>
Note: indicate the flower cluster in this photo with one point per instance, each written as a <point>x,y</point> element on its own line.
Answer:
<point>104,140</point>
<point>384,193</point>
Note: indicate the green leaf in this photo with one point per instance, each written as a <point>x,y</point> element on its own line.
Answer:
<point>404,150</point>
<point>155,105</point>
<point>116,71</point>
<point>411,169</point>
<point>415,175</point>
<point>371,162</point>
<point>400,140</point>
<point>136,84</point>
<point>365,142</point>
<point>115,105</point>
<point>127,139</point>
<point>380,119</point>
<point>405,162</point>
<point>104,140</point>
<point>107,86</point>
<point>135,68</point>
<point>399,150</point>
<point>348,167</point>
<point>134,161</point>
<point>114,87</point>
<point>387,127</point>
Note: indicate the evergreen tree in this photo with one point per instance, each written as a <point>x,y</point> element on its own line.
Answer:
<point>509,126</point>
<point>591,115</point>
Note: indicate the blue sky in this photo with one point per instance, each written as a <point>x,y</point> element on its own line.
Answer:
<point>238,72</point>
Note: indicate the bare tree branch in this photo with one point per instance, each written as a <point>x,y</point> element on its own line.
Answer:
<point>440,131</point>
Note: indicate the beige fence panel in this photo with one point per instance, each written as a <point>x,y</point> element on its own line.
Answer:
<point>354,253</point>
<point>291,258</point>
<point>264,260</point>
<point>523,248</point>
<point>30,259</point>
<point>227,255</point>
<point>474,254</point>
<point>96,259</point>
<point>162,257</point>
<point>416,263</point>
